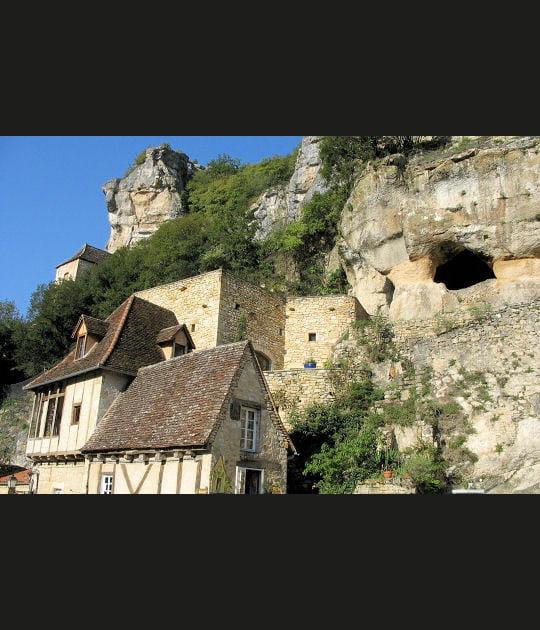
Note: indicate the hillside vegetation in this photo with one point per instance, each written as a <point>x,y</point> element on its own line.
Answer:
<point>217,231</point>
<point>340,441</point>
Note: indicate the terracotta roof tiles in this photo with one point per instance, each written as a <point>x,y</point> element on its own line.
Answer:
<point>175,403</point>
<point>128,344</point>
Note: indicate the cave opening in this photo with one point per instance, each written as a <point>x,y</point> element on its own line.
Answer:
<point>463,270</point>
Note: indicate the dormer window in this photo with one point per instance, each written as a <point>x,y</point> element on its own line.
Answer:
<point>88,332</point>
<point>81,347</point>
<point>175,341</point>
<point>178,349</point>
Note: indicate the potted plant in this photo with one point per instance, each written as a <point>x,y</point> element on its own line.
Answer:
<point>310,363</point>
<point>390,460</point>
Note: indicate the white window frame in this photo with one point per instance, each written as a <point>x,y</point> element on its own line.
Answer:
<point>81,347</point>
<point>240,480</point>
<point>107,482</point>
<point>244,410</point>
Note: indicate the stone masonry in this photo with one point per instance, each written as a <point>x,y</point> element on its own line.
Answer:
<point>315,324</point>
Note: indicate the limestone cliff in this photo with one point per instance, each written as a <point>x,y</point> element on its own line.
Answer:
<point>281,205</point>
<point>409,227</point>
<point>148,196</point>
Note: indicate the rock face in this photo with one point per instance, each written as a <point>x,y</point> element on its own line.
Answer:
<point>490,367</point>
<point>278,207</point>
<point>148,196</point>
<point>409,228</point>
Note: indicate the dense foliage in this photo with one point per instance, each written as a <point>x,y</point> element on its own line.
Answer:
<point>10,324</point>
<point>338,441</point>
<point>217,231</point>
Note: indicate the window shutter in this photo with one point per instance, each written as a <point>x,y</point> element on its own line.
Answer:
<point>235,410</point>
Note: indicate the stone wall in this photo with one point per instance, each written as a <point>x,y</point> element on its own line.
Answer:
<point>384,487</point>
<point>327,317</point>
<point>259,311</point>
<point>296,389</point>
<point>271,454</point>
<point>195,302</point>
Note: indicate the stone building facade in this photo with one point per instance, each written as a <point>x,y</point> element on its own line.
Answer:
<point>86,257</point>
<point>203,314</point>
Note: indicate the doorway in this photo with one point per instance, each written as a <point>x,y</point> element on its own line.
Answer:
<point>253,481</point>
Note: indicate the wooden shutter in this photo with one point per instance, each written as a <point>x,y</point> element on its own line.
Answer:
<point>235,410</point>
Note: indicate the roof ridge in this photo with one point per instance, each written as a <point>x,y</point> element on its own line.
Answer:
<point>128,303</point>
<point>190,354</point>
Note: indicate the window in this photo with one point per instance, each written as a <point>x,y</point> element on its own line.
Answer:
<point>76,413</point>
<point>313,336</point>
<point>49,410</point>
<point>106,484</point>
<point>81,347</point>
<point>249,429</point>
<point>36,414</point>
<point>192,327</point>
<point>178,350</point>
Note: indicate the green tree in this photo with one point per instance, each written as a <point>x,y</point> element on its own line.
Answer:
<point>338,440</point>
<point>10,324</point>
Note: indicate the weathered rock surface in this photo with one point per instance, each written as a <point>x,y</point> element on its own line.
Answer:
<point>278,207</point>
<point>491,368</point>
<point>484,200</point>
<point>148,196</point>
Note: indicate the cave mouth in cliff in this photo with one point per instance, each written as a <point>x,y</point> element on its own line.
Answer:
<point>463,270</point>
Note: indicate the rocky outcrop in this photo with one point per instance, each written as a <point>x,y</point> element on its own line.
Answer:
<point>407,221</point>
<point>278,207</point>
<point>490,367</point>
<point>148,196</point>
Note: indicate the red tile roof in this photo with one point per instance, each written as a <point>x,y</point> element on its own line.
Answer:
<point>23,476</point>
<point>177,403</point>
<point>129,342</point>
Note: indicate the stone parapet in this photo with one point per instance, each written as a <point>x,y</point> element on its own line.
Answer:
<point>384,487</point>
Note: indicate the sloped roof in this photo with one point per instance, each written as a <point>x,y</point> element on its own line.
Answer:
<point>128,344</point>
<point>23,476</point>
<point>93,325</point>
<point>175,403</point>
<point>88,252</point>
<point>167,334</point>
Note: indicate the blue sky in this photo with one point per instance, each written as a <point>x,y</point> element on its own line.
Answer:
<point>51,200</point>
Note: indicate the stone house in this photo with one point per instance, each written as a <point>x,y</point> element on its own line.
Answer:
<point>86,257</point>
<point>199,423</point>
<point>158,397</point>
